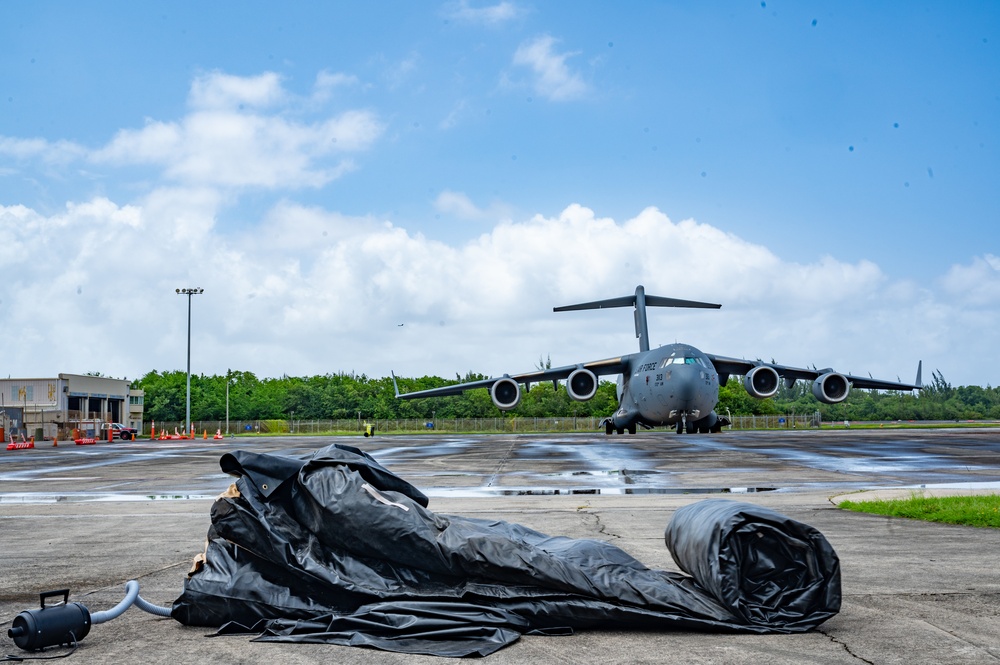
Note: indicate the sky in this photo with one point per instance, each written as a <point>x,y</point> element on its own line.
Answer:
<point>366,187</point>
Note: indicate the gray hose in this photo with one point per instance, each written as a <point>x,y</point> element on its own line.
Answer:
<point>131,596</point>
<point>147,606</point>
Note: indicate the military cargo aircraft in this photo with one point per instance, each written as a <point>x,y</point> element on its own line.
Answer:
<point>673,385</point>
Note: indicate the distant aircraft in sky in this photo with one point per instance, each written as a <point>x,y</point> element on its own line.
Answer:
<point>673,385</point>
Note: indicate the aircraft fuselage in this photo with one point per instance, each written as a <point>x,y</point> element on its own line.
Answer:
<point>675,384</point>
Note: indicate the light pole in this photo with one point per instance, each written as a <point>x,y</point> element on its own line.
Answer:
<point>187,413</point>
<point>228,381</point>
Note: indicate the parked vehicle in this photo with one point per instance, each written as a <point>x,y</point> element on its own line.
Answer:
<point>119,431</point>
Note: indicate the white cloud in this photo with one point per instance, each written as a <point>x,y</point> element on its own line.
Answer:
<point>397,73</point>
<point>217,90</point>
<point>58,152</point>
<point>491,15</point>
<point>222,143</point>
<point>309,291</point>
<point>553,78</point>
<point>457,204</point>
<point>454,116</point>
<point>233,137</point>
<point>977,283</point>
<point>327,82</point>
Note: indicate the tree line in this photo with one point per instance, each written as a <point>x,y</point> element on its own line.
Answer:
<point>349,395</point>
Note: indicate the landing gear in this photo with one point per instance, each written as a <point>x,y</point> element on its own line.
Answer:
<point>631,428</point>
<point>609,429</point>
<point>682,424</point>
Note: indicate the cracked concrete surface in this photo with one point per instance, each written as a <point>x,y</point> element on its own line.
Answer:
<point>913,592</point>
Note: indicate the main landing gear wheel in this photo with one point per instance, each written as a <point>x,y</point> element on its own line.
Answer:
<point>631,428</point>
<point>609,429</point>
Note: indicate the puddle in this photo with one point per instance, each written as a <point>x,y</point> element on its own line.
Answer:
<point>955,486</point>
<point>94,497</point>
<point>469,492</point>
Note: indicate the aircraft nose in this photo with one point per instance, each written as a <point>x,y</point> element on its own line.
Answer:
<point>684,388</point>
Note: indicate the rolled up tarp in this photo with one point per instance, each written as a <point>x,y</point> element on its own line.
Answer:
<point>765,568</point>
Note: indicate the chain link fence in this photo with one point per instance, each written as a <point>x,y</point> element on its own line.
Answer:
<point>209,428</point>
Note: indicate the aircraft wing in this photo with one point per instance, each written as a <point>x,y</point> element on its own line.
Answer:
<point>599,367</point>
<point>738,366</point>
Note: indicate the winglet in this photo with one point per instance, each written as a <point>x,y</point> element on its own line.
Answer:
<point>920,367</point>
<point>395,385</point>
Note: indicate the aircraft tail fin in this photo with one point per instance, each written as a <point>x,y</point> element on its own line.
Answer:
<point>639,301</point>
<point>395,386</point>
<point>920,366</point>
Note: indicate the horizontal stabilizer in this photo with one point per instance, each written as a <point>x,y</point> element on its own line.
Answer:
<point>659,301</point>
<point>624,301</point>
<point>639,300</point>
<point>629,301</point>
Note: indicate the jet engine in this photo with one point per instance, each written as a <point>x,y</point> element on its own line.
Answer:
<point>831,388</point>
<point>506,393</point>
<point>762,382</point>
<point>581,384</point>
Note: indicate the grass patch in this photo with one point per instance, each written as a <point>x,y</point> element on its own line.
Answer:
<point>979,510</point>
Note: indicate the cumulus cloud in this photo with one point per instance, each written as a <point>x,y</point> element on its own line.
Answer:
<point>977,283</point>
<point>553,79</point>
<point>240,132</point>
<point>307,291</point>
<point>217,90</point>
<point>225,142</point>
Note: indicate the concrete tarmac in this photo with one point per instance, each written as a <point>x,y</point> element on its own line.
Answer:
<point>92,517</point>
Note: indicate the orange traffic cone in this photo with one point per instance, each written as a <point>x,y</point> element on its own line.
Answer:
<point>204,434</point>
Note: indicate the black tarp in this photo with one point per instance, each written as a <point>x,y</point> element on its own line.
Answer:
<point>336,549</point>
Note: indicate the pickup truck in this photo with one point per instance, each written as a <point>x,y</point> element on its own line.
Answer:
<point>119,431</point>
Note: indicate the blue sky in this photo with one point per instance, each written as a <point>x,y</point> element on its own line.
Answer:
<point>827,171</point>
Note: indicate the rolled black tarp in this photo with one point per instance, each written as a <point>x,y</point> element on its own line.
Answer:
<point>337,549</point>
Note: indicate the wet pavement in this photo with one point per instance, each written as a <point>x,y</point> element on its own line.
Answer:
<point>92,517</point>
<point>533,464</point>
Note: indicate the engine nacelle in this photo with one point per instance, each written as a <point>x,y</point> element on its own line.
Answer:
<point>581,384</point>
<point>761,382</point>
<point>831,388</point>
<point>506,394</point>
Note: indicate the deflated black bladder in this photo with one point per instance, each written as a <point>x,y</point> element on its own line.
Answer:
<point>336,549</point>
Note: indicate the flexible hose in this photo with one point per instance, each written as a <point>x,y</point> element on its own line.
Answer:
<point>147,606</point>
<point>131,596</point>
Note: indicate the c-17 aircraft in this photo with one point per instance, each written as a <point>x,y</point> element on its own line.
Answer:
<point>672,385</point>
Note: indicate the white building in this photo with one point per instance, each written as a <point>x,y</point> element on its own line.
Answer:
<point>67,402</point>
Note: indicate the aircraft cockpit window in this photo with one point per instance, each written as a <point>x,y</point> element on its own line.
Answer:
<point>681,360</point>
